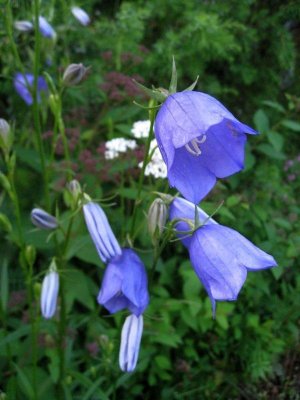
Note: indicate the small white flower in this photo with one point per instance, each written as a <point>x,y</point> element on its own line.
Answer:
<point>81,15</point>
<point>118,145</point>
<point>50,287</point>
<point>130,342</point>
<point>140,129</point>
<point>156,167</point>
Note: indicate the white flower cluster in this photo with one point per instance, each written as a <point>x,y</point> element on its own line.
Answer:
<point>140,129</point>
<point>156,166</point>
<point>118,145</point>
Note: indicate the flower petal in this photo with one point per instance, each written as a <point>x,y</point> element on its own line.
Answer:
<point>193,180</point>
<point>181,208</point>
<point>220,272</point>
<point>222,153</point>
<point>125,284</point>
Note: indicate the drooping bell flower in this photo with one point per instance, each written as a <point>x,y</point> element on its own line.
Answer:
<point>24,85</point>
<point>103,237</point>
<point>130,342</point>
<point>125,284</point>
<point>80,15</point>
<point>49,294</point>
<point>200,140</point>
<point>43,220</point>
<point>219,255</point>
<point>46,29</point>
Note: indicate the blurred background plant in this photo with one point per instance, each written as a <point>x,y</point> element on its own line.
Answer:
<point>246,53</point>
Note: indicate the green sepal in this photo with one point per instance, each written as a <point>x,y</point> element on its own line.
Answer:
<point>173,82</point>
<point>153,93</point>
<point>192,86</point>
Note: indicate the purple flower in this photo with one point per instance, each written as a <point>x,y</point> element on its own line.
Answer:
<point>125,284</point>
<point>81,15</point>
<point>24,85</point>
<point>46,29</point>
<point>42,219</point>
<point>100,231</point>
<point>49,294</point>
<point>200,140</point>
<point>130,342</point>
<point>219,255</point>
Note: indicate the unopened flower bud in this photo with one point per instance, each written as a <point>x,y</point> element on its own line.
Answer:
<point>23,26</point>
<point>50,287</point>
<point>157,217</point>
<point>42,219</point>
<point>80,15</point>
<point>30,254</point>
<point>130,342</point>
<point>4,134</point>
<point>74,188</point>
<point>74,74</point>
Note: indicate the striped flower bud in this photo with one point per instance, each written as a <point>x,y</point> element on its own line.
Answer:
<point>130,342</point>
<point>80,15</point>
<point>50,287</point>
<point>157,217</point>
<point>101,233</point>
<point>41,219</point>
<point>74,74</point>
<point>23,26</point>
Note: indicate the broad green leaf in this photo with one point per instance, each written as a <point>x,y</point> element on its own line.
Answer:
<point>78,287</point>
<point>261,121</point>
<point>269,151</point>
<point>12,337</point>
<point>276,140</point>
<point>293,125</point>
<point>24,382</point>
<point>29,157</point>
<point>83,248</point>
<point>274,105</point>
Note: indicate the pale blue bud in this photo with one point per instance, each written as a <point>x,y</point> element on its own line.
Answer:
<point>23,26</point>
<point>49,294</point>
<point>43,220</point>
<point>130,342</point>
<point>81,15</point>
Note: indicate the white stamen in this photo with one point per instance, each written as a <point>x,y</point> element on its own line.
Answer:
<point>193,146</point>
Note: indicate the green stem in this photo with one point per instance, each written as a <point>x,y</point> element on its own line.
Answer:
<point>36,117</point>
<point>157,253</point>
<point>142,174</point>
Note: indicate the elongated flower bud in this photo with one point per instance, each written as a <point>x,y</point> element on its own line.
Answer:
<point>74,74</point>
<point>23,26</point>
<point>101,232</point>
<point>49,294</point>
<point>42,219</point>
<point>46,29</point>
<point>157,217</point>
<point>80,15</point>
<point>130,342</point>
<point>5,134</point>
